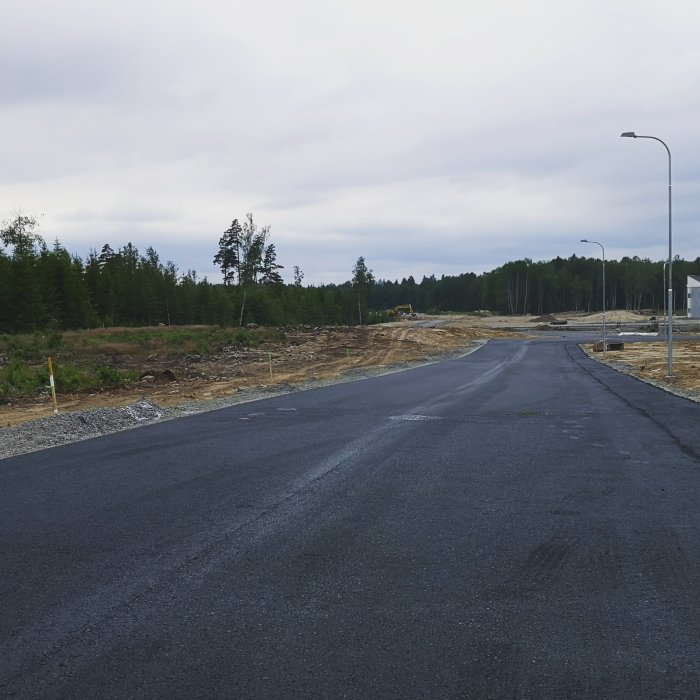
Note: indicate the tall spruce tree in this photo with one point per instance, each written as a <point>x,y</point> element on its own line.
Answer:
<point>270,274</point>
<point>229,256</point>
<point>24,284</point>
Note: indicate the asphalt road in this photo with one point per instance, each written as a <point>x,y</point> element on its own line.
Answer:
<point>519,522</point>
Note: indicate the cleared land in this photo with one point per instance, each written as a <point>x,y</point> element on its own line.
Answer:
<point>165,376</point>
<point>649,362</point>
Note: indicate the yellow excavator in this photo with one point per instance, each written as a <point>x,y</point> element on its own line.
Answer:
<point>406,309</point>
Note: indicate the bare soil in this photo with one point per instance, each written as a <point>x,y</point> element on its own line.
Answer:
<point>649,362</point>
<point>330,353</point>
<point>307,353</point>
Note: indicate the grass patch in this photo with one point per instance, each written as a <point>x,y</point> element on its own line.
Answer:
<point>85,360</point>
<point>173,340</point>
<point>17,378</point>
<point>109,376</point>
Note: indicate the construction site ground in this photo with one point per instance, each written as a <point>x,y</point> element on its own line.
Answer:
<point>329,353</point>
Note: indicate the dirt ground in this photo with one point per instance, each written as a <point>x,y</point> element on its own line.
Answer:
<point>330,352</point>
<point>306,353</point>
<point>649,361</point>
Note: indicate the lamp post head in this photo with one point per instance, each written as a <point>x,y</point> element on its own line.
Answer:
<point>584,240</point>
<point>630,134</point>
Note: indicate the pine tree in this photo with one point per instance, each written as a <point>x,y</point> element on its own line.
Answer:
<point>24,299</point>
<point>229,255</point>
<point>270,275</point>
<point>5,274</point>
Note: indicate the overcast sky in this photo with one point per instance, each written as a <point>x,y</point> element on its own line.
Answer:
<point>429,137</point>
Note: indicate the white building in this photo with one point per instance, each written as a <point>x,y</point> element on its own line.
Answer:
<point>693,296</point>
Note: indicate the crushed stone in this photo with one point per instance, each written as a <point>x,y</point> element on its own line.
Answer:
<point>65,428</point>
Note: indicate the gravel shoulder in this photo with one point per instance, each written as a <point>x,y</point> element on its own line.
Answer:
<point>647,362</point>
<point>70,427</point>
<point>318,357</point>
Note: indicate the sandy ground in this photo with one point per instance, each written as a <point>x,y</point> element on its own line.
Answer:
<point>328,353</point>
<point>649,362</point>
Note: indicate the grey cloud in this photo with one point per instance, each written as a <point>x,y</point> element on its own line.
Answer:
<point>448,140</point>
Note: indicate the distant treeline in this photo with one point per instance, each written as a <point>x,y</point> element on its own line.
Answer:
<point>544,287</point>
<point>48,288</point>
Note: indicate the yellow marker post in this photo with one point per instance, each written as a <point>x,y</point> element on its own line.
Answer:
<point>53,389</point>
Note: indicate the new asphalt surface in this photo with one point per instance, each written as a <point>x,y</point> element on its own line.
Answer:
<point>518,522</point>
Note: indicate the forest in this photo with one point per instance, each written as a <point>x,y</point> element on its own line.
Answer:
<point>48,288</point>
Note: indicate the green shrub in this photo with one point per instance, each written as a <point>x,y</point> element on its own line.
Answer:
<point>109,376</point>
<point>242,337</point>
<point>68,378</point>
<point>53,341</point>
<point>18,378</point>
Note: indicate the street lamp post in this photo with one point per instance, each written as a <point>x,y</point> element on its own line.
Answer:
<point>669,305</point>
<point>605,342</point>
<point>663,293</point>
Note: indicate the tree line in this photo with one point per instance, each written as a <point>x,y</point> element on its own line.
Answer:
<point>44,287</point>
<point>544,287</point>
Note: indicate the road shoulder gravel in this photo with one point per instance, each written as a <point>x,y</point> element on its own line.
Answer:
<point>65,428</point>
